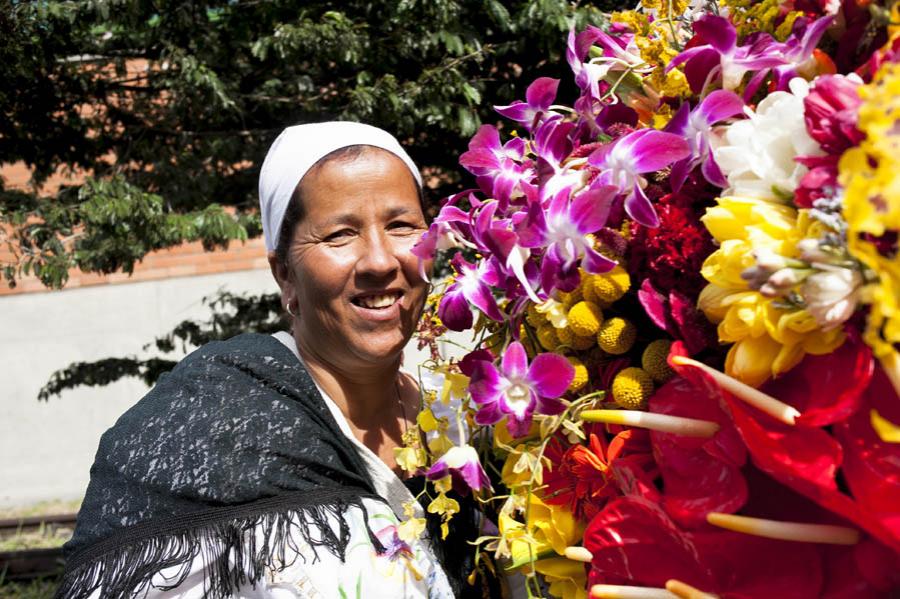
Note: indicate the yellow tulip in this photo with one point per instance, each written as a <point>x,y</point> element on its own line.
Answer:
<point>736,217</point>
<point>550,529</point>
<point>714,301</point>
<point>566,578</point>
<point>750,359</point>
<point>724,266</point>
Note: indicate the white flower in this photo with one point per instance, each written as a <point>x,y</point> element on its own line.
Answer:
<point>757,154</point>
<point>555,312</point>
<point>832,294</point>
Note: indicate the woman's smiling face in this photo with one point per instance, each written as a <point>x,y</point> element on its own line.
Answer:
<point>356,283</point>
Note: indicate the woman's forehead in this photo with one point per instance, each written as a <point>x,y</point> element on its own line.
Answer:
<point>373,181</point>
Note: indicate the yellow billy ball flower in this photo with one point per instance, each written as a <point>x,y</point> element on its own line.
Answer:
<point>616,336</point>
<point>567,337</point>
<point>632,388</point>
<point>546,335</point>
<point>581,374</point>
<point>608,287</point>
<point>585,318</point>
<point>653,360</point>
<point>570,298</point>
<point>533,317</point>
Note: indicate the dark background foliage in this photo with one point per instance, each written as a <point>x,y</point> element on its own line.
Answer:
<point>169,106</point>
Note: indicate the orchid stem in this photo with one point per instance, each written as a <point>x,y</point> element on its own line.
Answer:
<point>756,398</point>
<point>785,531</point>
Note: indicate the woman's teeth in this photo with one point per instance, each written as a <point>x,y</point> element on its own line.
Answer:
<point>378,301</point>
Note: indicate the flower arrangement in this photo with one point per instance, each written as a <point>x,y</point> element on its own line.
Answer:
<point>685,294</point>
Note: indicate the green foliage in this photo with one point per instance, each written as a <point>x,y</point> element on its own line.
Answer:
<point>43,588</point>
<point>168,108</point>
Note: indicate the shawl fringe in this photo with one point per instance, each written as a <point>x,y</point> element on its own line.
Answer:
<point>234,555</point>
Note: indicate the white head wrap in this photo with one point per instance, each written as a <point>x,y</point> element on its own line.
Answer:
<point>297,149</point>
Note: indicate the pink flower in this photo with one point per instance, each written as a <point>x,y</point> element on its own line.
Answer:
<point>830,112</point>
<point>539,96</point>
<point>463,466</point>
<point>516,389</point>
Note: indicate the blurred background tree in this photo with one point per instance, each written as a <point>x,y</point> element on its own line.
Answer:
<point>168,108</point>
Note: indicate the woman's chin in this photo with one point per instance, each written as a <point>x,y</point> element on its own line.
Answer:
<point>381,349</point>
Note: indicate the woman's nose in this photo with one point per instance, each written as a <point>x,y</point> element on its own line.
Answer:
<point>379,256</point>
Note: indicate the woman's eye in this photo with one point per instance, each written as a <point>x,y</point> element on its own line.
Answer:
<point>401,225</point>
<point>338,235</point>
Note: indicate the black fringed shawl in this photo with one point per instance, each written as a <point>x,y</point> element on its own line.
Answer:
<point>236,437</point>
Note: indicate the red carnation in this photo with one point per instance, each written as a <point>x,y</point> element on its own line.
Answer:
<point>671,255</point>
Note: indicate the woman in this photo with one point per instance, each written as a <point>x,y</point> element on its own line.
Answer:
<point>263,466</point>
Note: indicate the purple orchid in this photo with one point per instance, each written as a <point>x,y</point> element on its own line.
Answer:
<point>496,238</point>
<point>499,167</point>
<point>539,96</point>
<point>618,55</point>
<point>553,143</point>
<point>722,57</point>
<point>696,127</point>
<point>622,162</point>
<point>587,75</point>
<point>461,463</point>
<point>448,230</point>
<point>798,51</point>
<point>562,228</point>
<point>517,390</point>
<point>394,546</point>
<point>469,289</point>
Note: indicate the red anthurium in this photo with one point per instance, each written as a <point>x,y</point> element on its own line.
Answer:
<point>865,570</point>
<point>699,475</point>
<point>872,466</point>
<point>630,533</point>
<point>805,459</point>
<point>634,542</point>
<point>797,456</point>
<point>826,389</point>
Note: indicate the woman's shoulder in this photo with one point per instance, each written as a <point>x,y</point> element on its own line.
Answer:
<point>223,390</point>
<point>249,345</point>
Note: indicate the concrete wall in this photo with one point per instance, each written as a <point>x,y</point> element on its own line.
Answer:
<point>46,448</point>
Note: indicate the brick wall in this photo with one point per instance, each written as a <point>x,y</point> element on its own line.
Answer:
<point>183,261</point>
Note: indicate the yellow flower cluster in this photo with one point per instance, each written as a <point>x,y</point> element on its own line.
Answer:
<point>870,175</point>
<point>666,9</point>
<point>544,538</point>
<point>769,335</point>
<point>616,336</point>
<point>575,322</point>
<point>654,41</point>
<point>750,16</point>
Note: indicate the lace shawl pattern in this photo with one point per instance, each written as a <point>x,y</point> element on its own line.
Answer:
<point>235,437</point>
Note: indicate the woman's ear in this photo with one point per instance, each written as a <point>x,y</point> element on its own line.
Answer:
<point>282,275</point>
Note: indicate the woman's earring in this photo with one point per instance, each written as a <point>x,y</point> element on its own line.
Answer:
<point>289,311</point>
